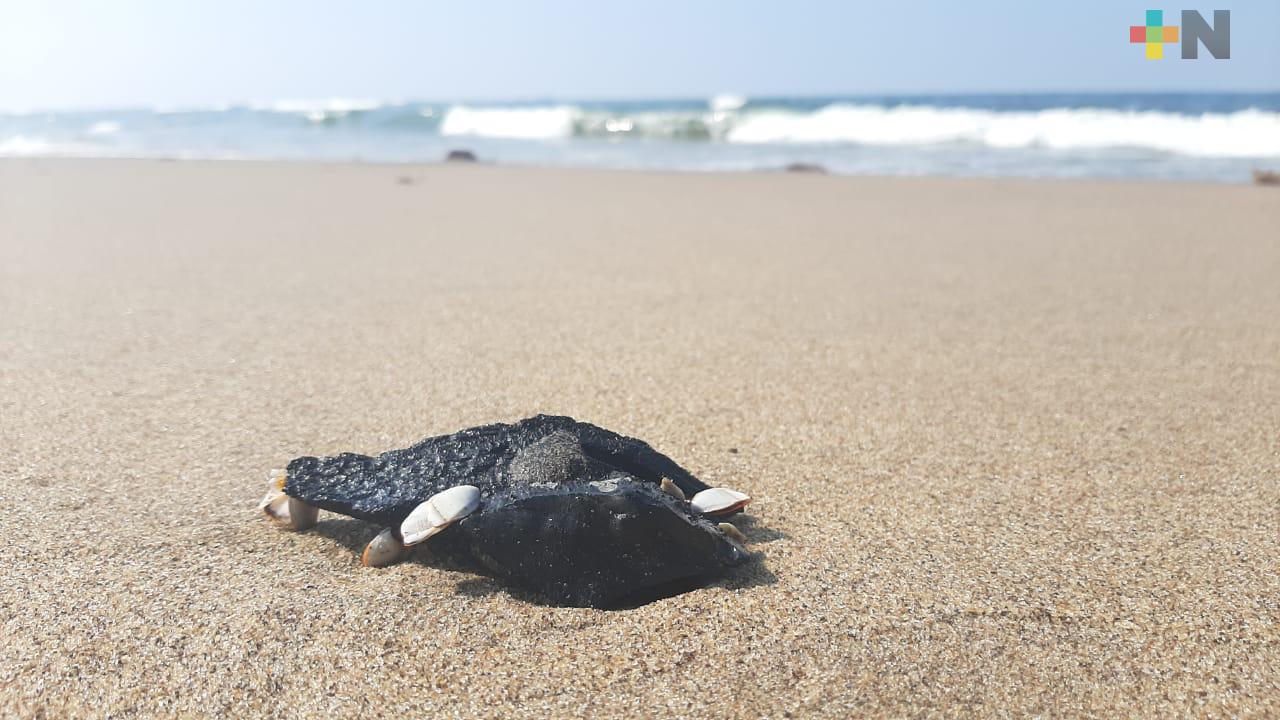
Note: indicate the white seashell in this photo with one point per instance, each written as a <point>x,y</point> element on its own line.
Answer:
<point>302,516</point>
<point>443,509</point>
<point>276,506</point>
<point>732,531</point>
<point>385,549</point>
<point>669,487</point>
<point>717,501</point>
<point>266,499</point>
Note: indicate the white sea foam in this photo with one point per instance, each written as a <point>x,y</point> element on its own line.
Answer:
<point>724,133</point>
<point>534,123</point>
<point>191,109</point>
<point>36,146</point>
<point>330,105</point>
<point>23,146</point>
<point>319,111</point>
<point>727,102</point>
<point>1247,133</point>
<point>105,127</point>
<point>669,124</point>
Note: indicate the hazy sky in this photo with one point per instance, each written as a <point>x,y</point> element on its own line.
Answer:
<point>110,53</point>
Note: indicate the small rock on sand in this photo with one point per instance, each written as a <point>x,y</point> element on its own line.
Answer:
<point>803,167</point>
<point>460,156</point>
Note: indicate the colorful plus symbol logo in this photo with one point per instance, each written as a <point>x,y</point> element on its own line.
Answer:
<point>1154,34</point>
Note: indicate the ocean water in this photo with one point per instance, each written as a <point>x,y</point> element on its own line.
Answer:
<point>1202,136</point>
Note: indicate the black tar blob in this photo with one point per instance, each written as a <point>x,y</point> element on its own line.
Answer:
<point>568,509</point>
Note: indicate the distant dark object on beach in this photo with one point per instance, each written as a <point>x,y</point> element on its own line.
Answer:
<point>404,180</point>
<point>803,167</point>
<point>460,156</point>
<point>1266,177</point>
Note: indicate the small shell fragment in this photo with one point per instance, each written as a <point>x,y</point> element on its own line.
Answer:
<point>732,531</point>
<point>672,489</point>
<point>276,506</point>
<point>385,549</point>
<point>302,516</point>
<point>719,501</point>
<point>275,503</point>
<point>266,499</point>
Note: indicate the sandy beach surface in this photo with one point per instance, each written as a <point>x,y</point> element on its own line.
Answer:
<point>1014,445</point>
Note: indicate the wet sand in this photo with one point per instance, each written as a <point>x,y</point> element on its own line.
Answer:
<point>1014,445</point>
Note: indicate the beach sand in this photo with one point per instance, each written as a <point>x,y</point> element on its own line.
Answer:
<point>1014,445</point>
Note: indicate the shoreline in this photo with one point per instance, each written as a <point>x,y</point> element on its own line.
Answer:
<point>656,172</point>
<point>1215,137</point>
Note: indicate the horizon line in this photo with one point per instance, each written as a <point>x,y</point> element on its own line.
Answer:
<point>562,99</point>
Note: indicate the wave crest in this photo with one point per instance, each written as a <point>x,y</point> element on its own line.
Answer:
<point>535,123</point>
<point>1241,134</point>
<point>1247,133</point>
<point>104,127</point>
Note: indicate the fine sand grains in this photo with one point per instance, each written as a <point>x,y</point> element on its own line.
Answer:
<point>1014,446</point>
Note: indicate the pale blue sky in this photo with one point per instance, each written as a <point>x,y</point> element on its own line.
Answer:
<point>118,53</point>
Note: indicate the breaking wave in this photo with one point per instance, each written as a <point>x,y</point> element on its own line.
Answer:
<point>1246,133</point>
<point>1188,135</point>
<point>105,127</point>
<point>24,146</point>
<point>37,146</point>
<point>319,111</point>
<point>534,123</point>
<point>302,107</point>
